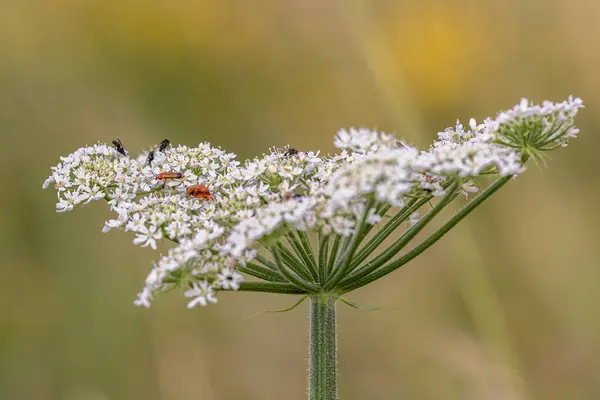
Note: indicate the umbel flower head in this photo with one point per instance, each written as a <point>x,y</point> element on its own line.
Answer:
<point>299,222</point>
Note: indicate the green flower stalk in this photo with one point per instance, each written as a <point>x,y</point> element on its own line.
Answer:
<point>295,222</point>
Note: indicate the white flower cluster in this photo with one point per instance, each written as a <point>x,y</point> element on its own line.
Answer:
<point>363,140</point>
<point>284,190</point>
<point>394,173</point>
<point>541,127</point>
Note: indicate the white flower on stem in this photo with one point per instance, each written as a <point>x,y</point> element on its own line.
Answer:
<point>147,236</point>
<point>363,140</point>
<point>94,192</point>
<point>468,187</point>
<point>343,226</point>
<point>372,217</point>
<point>144,298</point>
<point>115,223</point>
<point>236,244</point>
<point>61,183</point>
<point>70,200</point>
<point>176,229</point>
<point>202,294</point>
<point>121,200</point>
<point>413,219</point>
<point>136,223</point>
<point>47,182</point>
<point>229,279</point>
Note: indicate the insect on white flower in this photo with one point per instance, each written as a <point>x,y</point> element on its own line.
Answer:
<point>229,279</point>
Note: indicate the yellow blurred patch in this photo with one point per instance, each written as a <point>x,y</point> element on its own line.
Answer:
<point>167,26</point>
<point>437,49</point>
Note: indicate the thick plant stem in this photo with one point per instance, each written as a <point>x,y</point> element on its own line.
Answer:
<point>322,348</point>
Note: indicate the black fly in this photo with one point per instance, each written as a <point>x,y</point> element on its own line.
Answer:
<point>164,145</point>
<point>290,151</point>
<point>119,146</point>
<point>150,158</point>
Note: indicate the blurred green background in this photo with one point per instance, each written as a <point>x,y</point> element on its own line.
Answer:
<point>505,307</point>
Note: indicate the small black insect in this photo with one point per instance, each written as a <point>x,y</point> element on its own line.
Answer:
<point>399,145</point>
<point>150,158</point>
<point>164,145</point>
<point>119,146</point>
<point>290,152</point>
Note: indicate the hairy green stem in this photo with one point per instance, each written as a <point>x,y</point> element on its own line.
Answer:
<point>322,348</point>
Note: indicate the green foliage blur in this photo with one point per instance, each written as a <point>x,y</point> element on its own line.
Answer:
<point>505,307</point>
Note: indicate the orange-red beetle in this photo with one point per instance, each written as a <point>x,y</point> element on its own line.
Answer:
<point>169,175</point>
<point>199,192</point>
